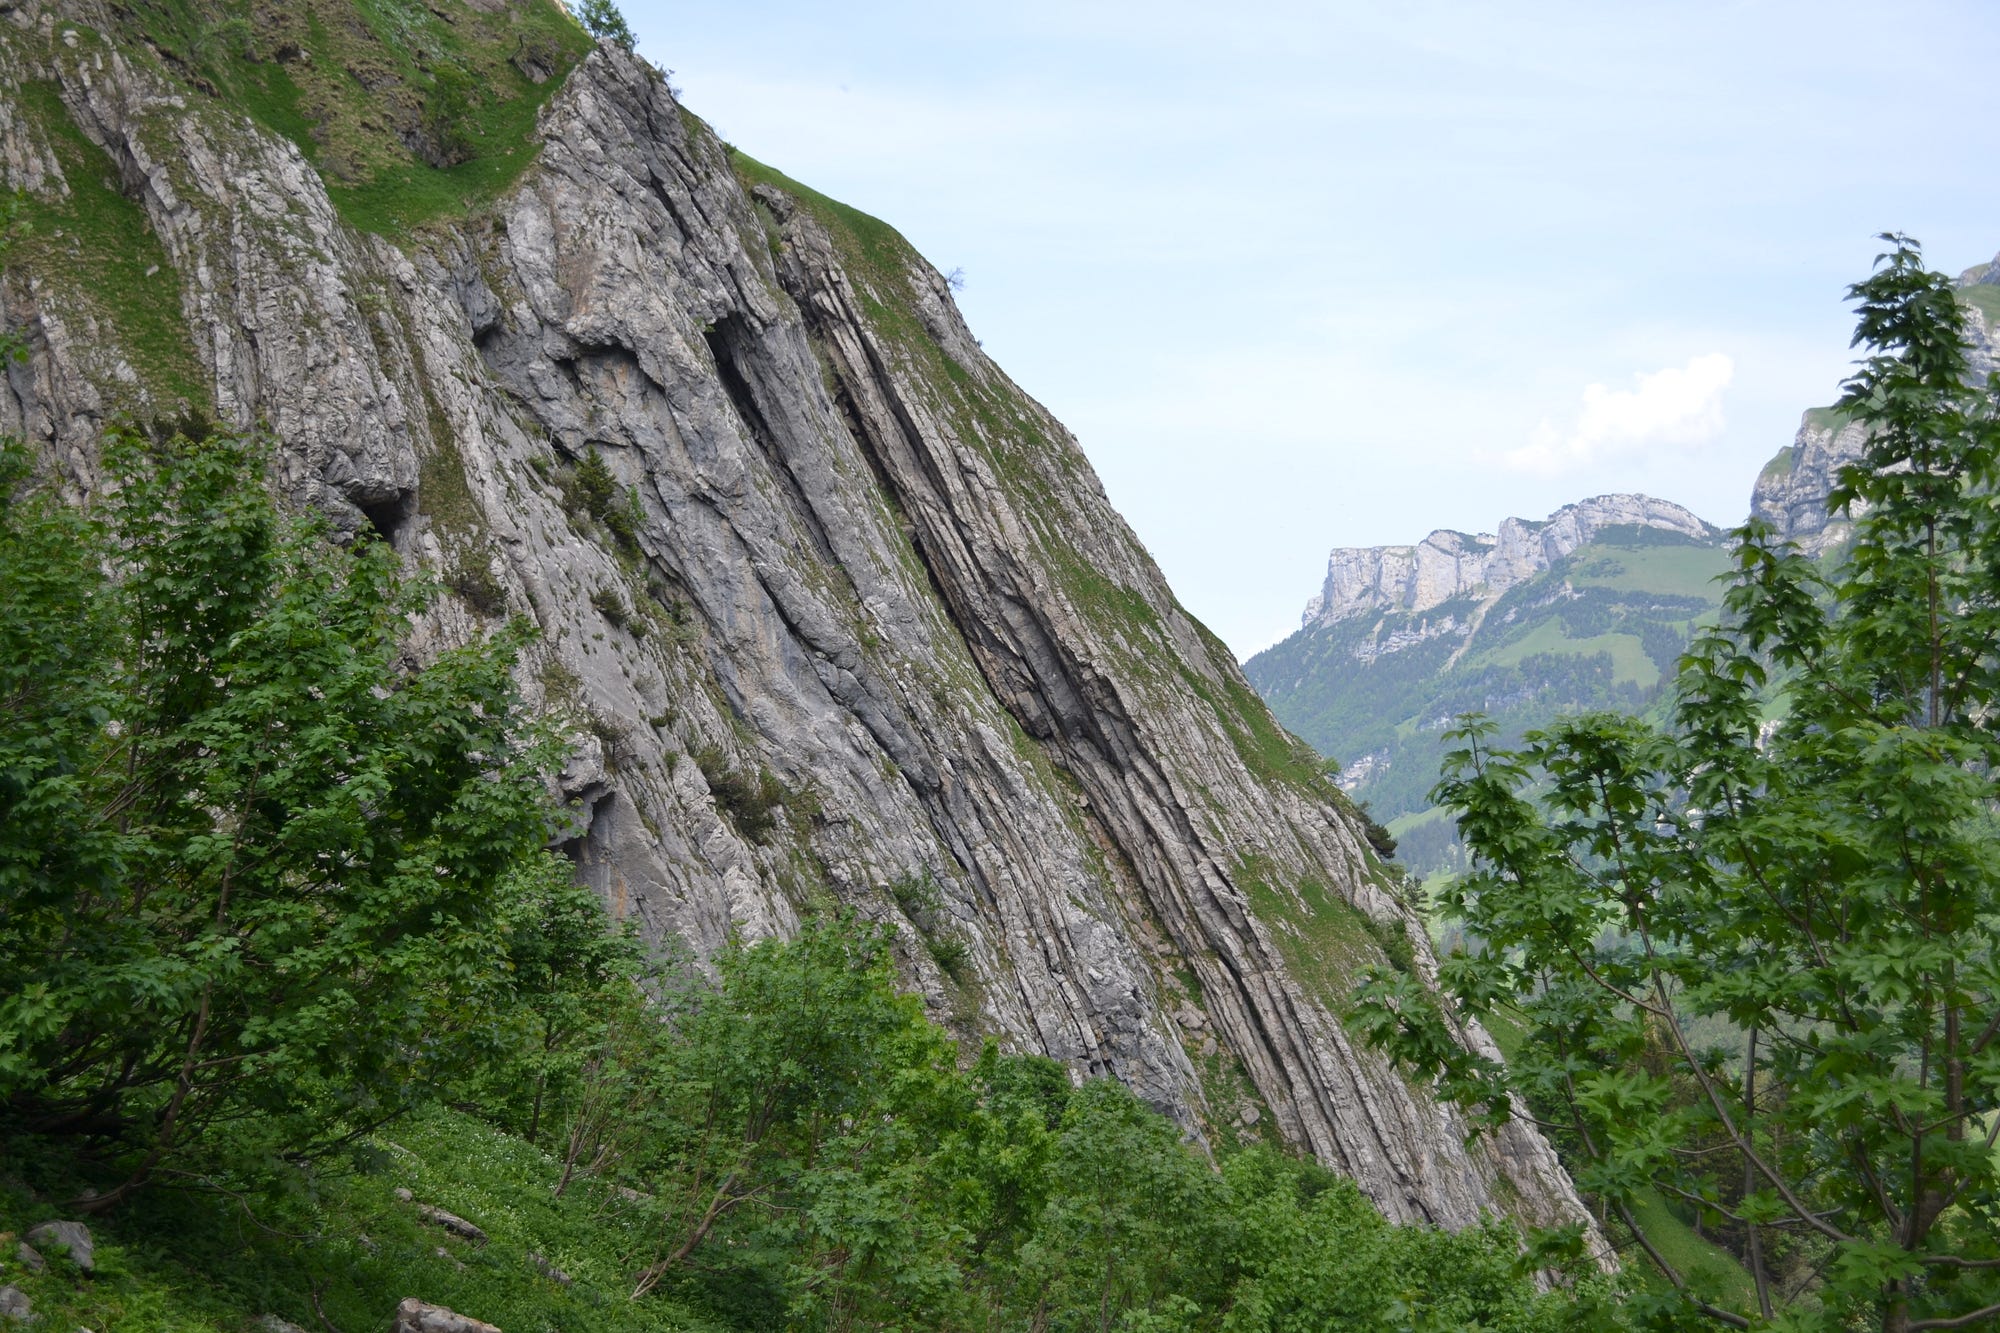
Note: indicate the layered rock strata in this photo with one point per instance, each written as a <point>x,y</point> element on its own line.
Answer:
<point>865,630</point>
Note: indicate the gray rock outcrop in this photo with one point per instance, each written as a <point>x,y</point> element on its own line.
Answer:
<point>1791,492</point>
<point>1448,565</point>
<point>865,577</point>
<point>415,1316</point>
<point>71,1238</point>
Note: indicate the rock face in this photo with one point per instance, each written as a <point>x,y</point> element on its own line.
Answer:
<point>71,1238</point>
<point>415,1316</point>
<point>1791,492</point>
<point>858,626</point>
<point>1449,565</point>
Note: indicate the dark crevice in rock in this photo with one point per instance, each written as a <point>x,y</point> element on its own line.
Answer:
<point>590,843</point>
<point>731,345</point>
<point>391,518</point>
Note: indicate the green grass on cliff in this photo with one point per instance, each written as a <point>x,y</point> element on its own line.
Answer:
<point>1983,297</point>
<point>100,242</point>
<point>1677,571</point>
<point>1629,662</point>
<point>410,111</point>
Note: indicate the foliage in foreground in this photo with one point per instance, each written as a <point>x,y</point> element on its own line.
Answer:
<point>876,1185</point>
<point>1754,963</point>
<point>252,871</point>
<point>278,934</point>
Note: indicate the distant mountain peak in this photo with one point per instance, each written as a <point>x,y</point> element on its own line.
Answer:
<point>1448,565</point>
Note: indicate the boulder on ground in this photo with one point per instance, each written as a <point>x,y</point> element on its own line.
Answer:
<point>71,1236</point>
<point>14,1304</point>
<point>415,1316</point>
<point>451,1222</point>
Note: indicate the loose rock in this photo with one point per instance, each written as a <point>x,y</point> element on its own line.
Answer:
<point>451,1222</point>
<point>71,1236</point>
<point>415,1316</point>
<point>31,1258</point>
<point>14,1304</point>
<point>548,1270</point>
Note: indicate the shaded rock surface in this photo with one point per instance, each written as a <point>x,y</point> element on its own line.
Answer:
<point>867,578</point>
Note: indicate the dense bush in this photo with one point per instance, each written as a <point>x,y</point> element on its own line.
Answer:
<point>252,872</point>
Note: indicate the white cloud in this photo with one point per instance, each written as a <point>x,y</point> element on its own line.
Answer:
<point>1678,406</point>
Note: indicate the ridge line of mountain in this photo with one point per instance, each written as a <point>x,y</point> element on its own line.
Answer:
<point>1448,564</point>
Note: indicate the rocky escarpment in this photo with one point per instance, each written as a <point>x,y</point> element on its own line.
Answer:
<point>1447,566</point>
<point>1791,492</point>
<point>839,615</point>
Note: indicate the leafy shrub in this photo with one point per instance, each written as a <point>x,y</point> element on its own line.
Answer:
<point>949,950</point>
<point>471,577</point>
<point>610,605</point>
<point>747,801</point>
<point>249,864</point>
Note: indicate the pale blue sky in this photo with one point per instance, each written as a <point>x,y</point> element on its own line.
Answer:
<point>1301,276</point>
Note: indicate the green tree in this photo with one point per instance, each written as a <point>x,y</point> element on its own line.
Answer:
<point>253,871</point>
<point>603,20</point>
<point>1752,962</point>
<point>1136,1230</point>
<point>762,1079</point>
<point>1313,1253</point>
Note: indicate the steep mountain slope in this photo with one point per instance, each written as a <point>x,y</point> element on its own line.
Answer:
<point>1588,608</point>
<point>841,614</point>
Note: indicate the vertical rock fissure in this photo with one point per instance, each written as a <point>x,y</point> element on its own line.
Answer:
<point>725,341</point>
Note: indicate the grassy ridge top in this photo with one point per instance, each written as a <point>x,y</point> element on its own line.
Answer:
<point>410,111</point>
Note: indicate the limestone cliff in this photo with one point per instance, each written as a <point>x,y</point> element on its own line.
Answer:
<point>1447,566</point>
<point>1791,492</point>
<point>854,622</point>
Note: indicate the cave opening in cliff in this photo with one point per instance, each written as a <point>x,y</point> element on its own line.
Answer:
<point>391,518</point>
